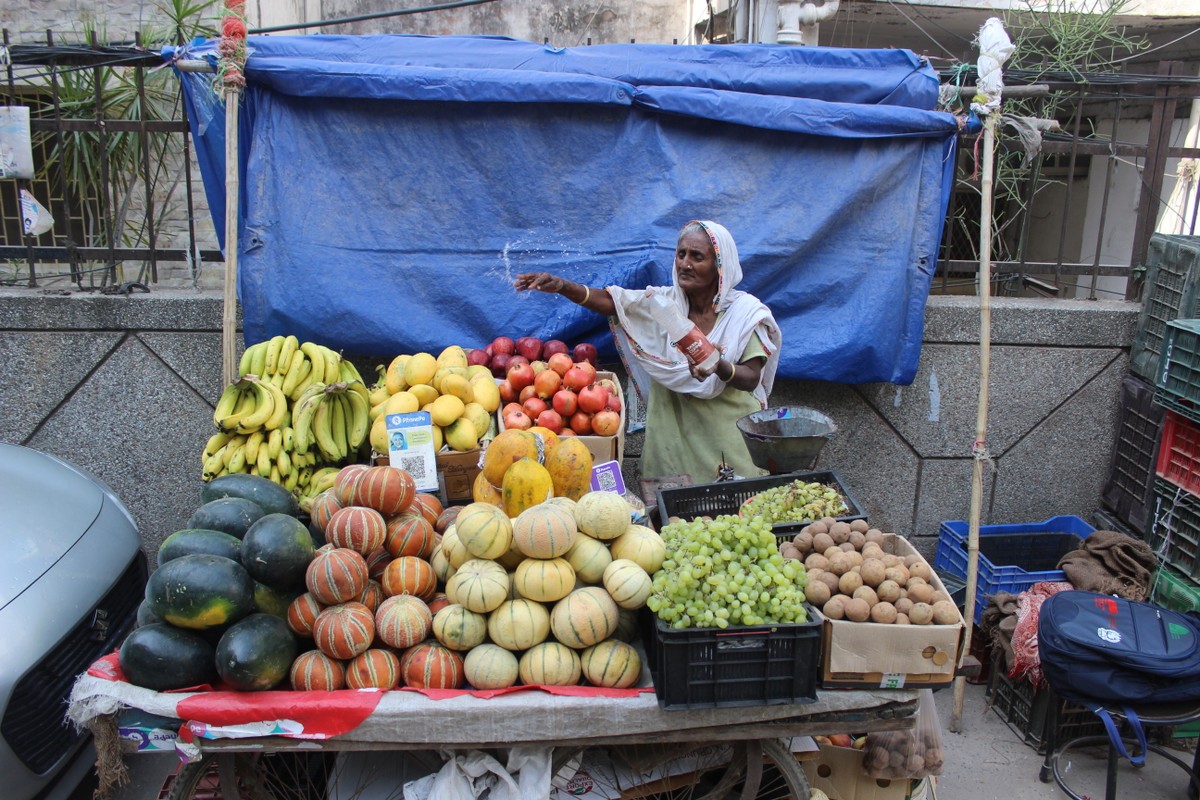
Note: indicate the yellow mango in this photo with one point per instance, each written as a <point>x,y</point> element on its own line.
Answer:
<point>457,385</point>
<point>424,393</point>
<point>420,369</point>
<point>446,409</point>
<point>379,435</point>
<point>401,403</point>
<point>461,436</point>
<point>452,356</point>
<point>393,380</point>
<point>485,392</point>
<point>479,417</point>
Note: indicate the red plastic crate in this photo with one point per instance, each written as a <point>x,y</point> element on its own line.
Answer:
<point>1179,453</point>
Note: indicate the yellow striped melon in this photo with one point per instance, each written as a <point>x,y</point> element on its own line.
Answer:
<point>479,584</point>
<point>641,545</point>
<point>602,515</point>
<point>549,664</point>
<point>585,617</point>
<point>563,502</point>
<point>627,583</point>
<point>456,552</point>
<point>459,628</point>
<point>544,531</point>
<point>589,557</point>
<point>526,483</point>
<point>484,530</point>
<point>519,624</point>
<point>511,558</point>
<point>627,626</point>
<point>441,566</point>
<point>544,579</point>
<point>612,664</point>
<point>490,666</point>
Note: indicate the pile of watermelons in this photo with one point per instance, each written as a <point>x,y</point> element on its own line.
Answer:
<point>215,608</point>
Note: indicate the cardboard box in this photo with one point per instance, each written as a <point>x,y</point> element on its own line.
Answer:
<point>891,656</point>
<point>456,473</point>
<point>838,772</point>
<point>605,448</point>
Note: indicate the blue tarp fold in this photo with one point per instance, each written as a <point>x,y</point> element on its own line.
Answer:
<point>393,186</point>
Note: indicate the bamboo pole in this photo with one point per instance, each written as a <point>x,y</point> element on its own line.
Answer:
<point>979,450</point>
<point>229,359</point>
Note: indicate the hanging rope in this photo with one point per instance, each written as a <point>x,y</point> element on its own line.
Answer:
<point>231,49</point>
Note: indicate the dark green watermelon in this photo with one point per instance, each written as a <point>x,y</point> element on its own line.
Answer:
<point>162,657</point>
<point>256,653</point>
<point>233,515</point>
<point>146,615</point>
<point>265,493</point>
<point>277,550</point>
<point>201,591</point>
<point>269,600</point>
<point>191,541</point>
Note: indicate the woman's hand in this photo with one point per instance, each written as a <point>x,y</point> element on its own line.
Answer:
<point>719,369</point>
<point>539,281</point>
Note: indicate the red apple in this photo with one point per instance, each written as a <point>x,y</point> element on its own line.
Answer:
<point>500,364</point>
<point>550,419</point>
<point>511,407</point>
<point>547,382</point>
<point>576,378</point>
<point>520,376</point>
<point>614,402</point>
<point>554,346</point>
<point>519,420</point>
<point>478,356</point>
<point>530,347</point>
<point>503,344</point>
<point>565,402</point>
<point>606,423</point>
<point>534,406</point>
<point>526,393</point>
<point>593,398</point>
<point>507,393</point>
<point>581,423</point>
<point>585,351</point>
<point>560,363</point>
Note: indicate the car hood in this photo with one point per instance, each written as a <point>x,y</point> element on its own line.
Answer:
<point>45,508</point>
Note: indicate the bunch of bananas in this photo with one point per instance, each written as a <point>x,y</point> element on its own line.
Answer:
<point>289,396</point>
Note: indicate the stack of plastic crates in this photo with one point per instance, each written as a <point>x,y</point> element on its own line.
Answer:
<point>1036,714</point>
<point>1171,291</point>
<point>1129,490</point>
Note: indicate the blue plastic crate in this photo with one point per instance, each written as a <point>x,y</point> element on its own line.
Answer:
<point>1011,557</point>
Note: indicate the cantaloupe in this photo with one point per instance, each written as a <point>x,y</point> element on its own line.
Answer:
<point>641,545</point>
<point>484,530</point>
<point>544,579</point>
<point>490,666</point>
<point>589,557</point>
<point>431,665</point>
<point>549,664</point>
<point>459,628</point>
<point>602,515</point>
<point>402,621</point>
<point>479,584</point>
<point>544,531</point>
<point>627,583</point>
<point>585,617</point>
<point>519,624</point>
<point>612,664</point>
<point>526,483</point>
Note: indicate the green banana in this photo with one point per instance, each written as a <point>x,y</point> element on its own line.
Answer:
<point>246,360</point>
<point>313,351</point>
<point>273,349</point>
<point>302,417</point>
<point>295,373</point>
<point>322,429</point>
<point>333,369</point>
<point>259,364</point>
<point>290,345</point>
<point>358,422</point>
<point>264,406</point>
<point>348,372</point>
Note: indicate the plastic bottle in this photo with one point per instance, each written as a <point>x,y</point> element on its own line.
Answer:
<point>684,334</point>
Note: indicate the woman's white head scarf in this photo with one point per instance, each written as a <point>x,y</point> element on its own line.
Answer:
<point>648,353</point>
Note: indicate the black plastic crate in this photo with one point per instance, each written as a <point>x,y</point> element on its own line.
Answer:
<point>1104,520</point>
<point>759,665</point>
<point>1175,530</point>
<point>1129,490</point>
<point>1177,382</point>
<point>1171,291</point>
<point>726,497</point>
<point>1037,715</point>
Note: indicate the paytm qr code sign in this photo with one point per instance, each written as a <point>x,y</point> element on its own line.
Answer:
<point>606,477</point>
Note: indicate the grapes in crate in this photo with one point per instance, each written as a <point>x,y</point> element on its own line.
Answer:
<point>797,501</point>
<point>724,572</point>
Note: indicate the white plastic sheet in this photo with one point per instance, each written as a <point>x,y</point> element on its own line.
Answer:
<point>994,49</point>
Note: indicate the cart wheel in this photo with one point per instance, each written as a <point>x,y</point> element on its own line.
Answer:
<point>301,775</point>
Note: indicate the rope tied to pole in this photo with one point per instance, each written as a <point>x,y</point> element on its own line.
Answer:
<point>231,49</point>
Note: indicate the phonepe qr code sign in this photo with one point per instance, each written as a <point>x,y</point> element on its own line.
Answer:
<point>410,448</point>
<point>606,477</point>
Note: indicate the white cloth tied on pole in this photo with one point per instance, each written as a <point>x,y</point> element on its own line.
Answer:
<point>994,49</point>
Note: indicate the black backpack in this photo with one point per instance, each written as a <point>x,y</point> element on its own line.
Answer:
<point>1100,650</point>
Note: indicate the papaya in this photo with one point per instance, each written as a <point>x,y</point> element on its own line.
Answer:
<point>508,447</point>
<point>484,492</point>
<point>526,484</point>
<point>570,468</point>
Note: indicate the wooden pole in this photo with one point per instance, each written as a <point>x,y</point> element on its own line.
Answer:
<point>979,450</point>
<point>229,359</point>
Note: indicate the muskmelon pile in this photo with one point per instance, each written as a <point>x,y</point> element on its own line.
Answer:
<point>852,576</point>
<point>472,596</point>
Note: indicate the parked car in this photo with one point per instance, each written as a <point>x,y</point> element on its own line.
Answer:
<point>71,579</point>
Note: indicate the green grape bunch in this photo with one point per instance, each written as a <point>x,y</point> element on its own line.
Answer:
<point>726,571</point>
<point>797,501</point>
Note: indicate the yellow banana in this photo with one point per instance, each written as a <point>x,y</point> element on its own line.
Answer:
<point>253,442</point>
<point>215,443</point>
<point>237,462</point>
<point>358,422</point>
<point>313,351</point>
<point>303,477</point>
<point>279,415</point>
<point>349,372</point>
<point>264,462</point>
<point>235,444</point>
<point>323,479</point>
<point>302,418</point>
<point>244,405</point>
<point>322,429</point>
<point>274,346</point>
<point>290,480</point>
<point>213,464</point>
<point>333,369</point>
<point>275,476</point>
<point>264,406</point>
<point>274,442</point>
<point>276,380</point>
<point>295,372</point>
<point>289,439</point>
<point>379,396</point>
<point>226,405</point>
<point>258,364</point>
<point>246,363</point>
<point>340,420</point>
<point>284,462</point>
<point>290,345</point>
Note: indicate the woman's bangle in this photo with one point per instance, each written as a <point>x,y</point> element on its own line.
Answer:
<point>732,372</point>
<point>587,292</point>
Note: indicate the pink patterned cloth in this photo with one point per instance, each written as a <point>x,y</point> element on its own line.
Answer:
<point>1025,637</point>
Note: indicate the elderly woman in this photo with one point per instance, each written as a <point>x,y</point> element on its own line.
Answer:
<point>692,411</point>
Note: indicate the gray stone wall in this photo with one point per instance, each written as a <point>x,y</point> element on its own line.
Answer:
<point>125,386</point>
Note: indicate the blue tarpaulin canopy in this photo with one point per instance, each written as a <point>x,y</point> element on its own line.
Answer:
<point>393,186</point>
